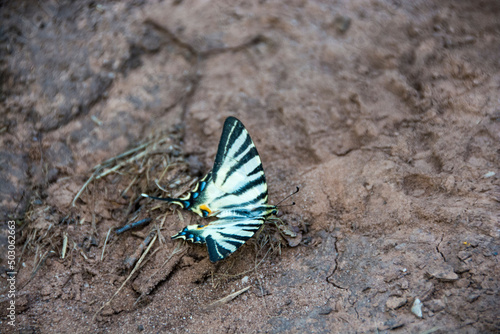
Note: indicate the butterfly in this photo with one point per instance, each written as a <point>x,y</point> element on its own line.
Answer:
<point>234,191</point>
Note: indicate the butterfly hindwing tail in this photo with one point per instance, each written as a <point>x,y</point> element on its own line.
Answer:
<point>179,201</point>
<point>191,233</point>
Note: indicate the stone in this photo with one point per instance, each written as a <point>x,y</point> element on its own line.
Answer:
<point>417,308</point>
<point>435,305</point>
<point>395,302</point>
<point>443,273</point>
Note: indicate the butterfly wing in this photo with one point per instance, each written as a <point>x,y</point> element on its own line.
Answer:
<point>236,181</point>
<point>223,236</point>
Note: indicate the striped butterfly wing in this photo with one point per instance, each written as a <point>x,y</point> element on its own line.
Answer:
<point>237,179</point>
<point>223,236</point>
<point>235,191</point>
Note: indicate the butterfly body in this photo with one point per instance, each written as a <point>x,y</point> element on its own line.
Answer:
<point>234,191</point>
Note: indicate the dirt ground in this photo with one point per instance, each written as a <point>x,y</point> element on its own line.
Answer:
<point>386,114</point>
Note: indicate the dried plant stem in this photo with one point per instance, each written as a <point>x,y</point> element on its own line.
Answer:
<point>98,173</point>
<point>122,155</point>
<point>91,178</point>
<point>130,185</point>
<point>121,164</point>
<point>129,276</point>
<point>105,243</point>
<point>228,297</point>
<point>64,245</point>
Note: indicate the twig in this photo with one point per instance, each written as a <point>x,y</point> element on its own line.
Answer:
<point>132,225</point>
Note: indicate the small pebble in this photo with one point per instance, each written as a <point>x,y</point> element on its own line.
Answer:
<point>417,308</point>
<point>489,174</point>
<point>435,305</point>
<point>395,302</point>
<point>445,273</point>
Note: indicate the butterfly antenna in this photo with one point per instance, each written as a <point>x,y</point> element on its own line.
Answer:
<point>296,191</point>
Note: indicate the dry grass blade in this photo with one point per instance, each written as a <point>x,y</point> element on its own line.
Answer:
<point>79,193</point>
<point>136,163</point>
<point>147,150</point>
<point>29,239</point>
<point>113,165</point>
<point>65,245</point>
<point>83,254</point>
<point>158,228</point>
<point>129,276</point>
<point>121,164</point>
<point>122,155</point>
<point>129,262</point>
<point>177,251</point>
<point>37,267</point>
<point>160,187</point>
<point>228,298</point>
<point>105,243</point>
<point>253,269</point>
<point>263,299</point>
<point>130,185</point>
<point>431,330</point>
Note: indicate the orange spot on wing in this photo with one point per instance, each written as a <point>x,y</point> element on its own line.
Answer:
<point>205,208</point>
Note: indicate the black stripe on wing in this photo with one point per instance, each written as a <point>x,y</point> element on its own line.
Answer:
<point>252,153</point>
<point>241,238</point>
<point>253,226</point>
<point>231,131</point>
<point>253,202</point>
<point>245,188</point>
<point>215,251</point>
<point>252,184</point>
<point>247,143</point>
<point>220,245</point>
<point>256,170</point>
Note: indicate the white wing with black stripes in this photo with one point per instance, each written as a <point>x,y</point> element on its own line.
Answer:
<point>235,192</point>
<point>223,236</point>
